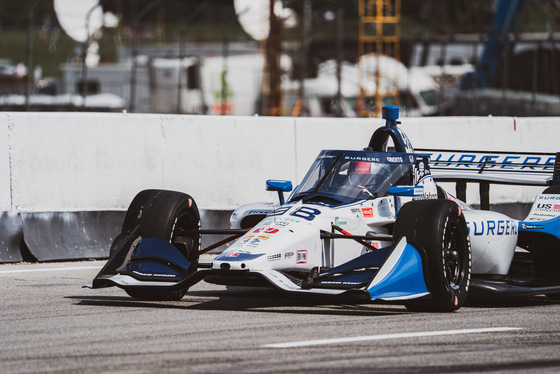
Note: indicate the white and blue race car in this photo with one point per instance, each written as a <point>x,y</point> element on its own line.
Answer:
<point>369,224</point>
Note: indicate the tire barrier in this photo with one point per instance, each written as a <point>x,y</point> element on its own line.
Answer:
<point>60,236</point>
<point>99,161</point>
<point>11,234</point>
<point>51,236</point>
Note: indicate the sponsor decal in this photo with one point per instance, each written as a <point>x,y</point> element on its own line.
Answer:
<point>362,158</point>
<point>248,238</point>
<point>267,230</point>
<point>274,257</point>
<point>394,159</point>
<point>541,216</point>
<point>338,282</point>
<point>259,211</point>
<point>421,171</point>
<point>497,161</point>
<point>291,220</point>
<point>301,257</point>
<point>550,197</point>
<point>252,241</point>
<point>407,144</point>
<point>367,212</point>
<point>288,255</point>
<point>154,274</point>
<point>339,222</point>
<point>235,254</point>
<point>525,226</point>
<point>362,167</point>
<point>547,207</point>
<point>492,227</point>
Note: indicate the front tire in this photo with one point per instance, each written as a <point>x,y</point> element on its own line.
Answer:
<point>167,215</point>
<point>438,227</point>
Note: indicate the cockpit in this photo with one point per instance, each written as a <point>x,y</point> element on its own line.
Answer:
<point>338,177</point>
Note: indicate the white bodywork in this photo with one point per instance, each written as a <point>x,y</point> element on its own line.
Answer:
<point>546,206</point>
<point>288,238</point>
<point>493,239</point>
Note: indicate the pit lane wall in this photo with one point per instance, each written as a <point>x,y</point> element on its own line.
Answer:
<point>67,178</point>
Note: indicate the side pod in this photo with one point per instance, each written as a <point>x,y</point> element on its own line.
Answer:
<point>401,277</point>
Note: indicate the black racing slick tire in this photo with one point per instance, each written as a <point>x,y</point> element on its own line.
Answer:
<point>438,228</point>
<point>546,252</point>
<point>167,215</point>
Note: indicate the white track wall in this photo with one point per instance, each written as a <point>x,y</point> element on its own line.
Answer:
<point>61,162</point>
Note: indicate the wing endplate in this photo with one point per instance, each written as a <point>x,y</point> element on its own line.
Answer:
<point>401,277</point>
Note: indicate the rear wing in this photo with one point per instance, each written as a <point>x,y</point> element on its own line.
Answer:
<point>485,168</point>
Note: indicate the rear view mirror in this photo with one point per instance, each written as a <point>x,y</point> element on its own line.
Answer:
<point>279,186</point>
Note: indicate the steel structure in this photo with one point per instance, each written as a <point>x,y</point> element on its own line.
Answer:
<point>379,33</point>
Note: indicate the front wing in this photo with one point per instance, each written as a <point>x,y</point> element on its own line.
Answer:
<point>388,274</point>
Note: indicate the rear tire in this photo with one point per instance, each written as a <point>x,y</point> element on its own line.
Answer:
<point>546,252</point>
<point>167,215</point>
<point>438,227</point>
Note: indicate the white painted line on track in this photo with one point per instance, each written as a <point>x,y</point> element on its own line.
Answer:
<point>388,336</point>
<point>49,269</point>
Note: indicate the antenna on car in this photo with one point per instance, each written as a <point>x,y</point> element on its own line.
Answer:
<point>390,113</point>
<point>381,136</point>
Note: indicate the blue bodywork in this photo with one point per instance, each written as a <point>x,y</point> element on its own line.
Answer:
<point>388,274</point>
<point>549,227</point>
<point>156,258</point>
<point>404,278</point>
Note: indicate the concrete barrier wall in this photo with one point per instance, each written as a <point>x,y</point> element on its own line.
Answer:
<point>98,162</point>
<point>92,162</point>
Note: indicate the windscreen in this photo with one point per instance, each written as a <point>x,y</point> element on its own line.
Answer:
<point>343,177</point>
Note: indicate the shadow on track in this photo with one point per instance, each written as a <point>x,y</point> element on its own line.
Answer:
<point>250,299</point>
<point>510,302</point>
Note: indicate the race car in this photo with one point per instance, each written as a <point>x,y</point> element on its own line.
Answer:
<point>371,224</point>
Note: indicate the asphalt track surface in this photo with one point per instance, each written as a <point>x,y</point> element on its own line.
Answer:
<point>50,324</point>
